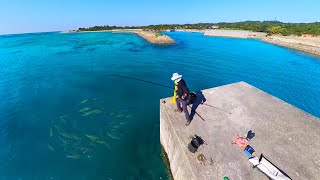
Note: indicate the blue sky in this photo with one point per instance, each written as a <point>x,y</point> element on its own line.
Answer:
<point>19,16</point>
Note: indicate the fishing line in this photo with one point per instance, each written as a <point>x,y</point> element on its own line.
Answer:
<point>150,82</point>
<point>140,80</point>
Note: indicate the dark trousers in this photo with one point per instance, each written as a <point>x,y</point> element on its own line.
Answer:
<point>184,107</point>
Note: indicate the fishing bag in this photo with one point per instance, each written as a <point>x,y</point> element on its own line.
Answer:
<point>192,98</point>
<point>195,143</point>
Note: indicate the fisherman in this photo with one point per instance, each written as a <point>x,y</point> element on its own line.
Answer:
<point>182,95</point>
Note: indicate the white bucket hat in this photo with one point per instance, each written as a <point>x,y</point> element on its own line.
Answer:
<point>176,77</point>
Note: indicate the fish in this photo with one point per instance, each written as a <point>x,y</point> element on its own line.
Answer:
<point>84,109</point>
<point>51,147</point>
<point>129,116</point>
<point>69,135</point>
<point>96,111</point>
<point>93,144</point>
<point>123,123</point>
<point>76,137</point>
<point>113,137</point>
<point>94,99</point>
<point>51,131</point>
<point>62,140</point>
<point>116,132</point>
<point>64,143</point>
<point>66,135</point>
<point>86,114</point>
<point>85,150</point>
<point>101,142</point>
<point>84,101</point>
<point>74,156</point>
<point>74,150</point>
<point>56,126</point>
<point>116,126</point>
<point>62,118</point>
<point>68,148</point>
<point>77,143</point>
<point>92,137</point>
<point>74,123</point>
<point>104,143</point>
<point>111,114</point>
<point>121,115</point>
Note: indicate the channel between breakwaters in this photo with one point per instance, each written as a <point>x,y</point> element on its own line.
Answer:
<point>284,134</point>
<point>306,44</point>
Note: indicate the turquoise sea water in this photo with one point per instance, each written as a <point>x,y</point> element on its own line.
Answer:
<point>61,117</point>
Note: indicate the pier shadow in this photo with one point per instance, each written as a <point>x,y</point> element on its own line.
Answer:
<point>200,100</point>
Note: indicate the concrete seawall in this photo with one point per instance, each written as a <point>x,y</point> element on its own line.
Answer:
<point>234,33</point>
<point>284,134</point>
<point>310,45</point>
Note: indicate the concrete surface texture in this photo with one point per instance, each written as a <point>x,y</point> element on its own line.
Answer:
<point>234,33</point>
<point>284,134</point>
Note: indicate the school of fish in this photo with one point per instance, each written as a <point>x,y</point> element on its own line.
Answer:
<point>74,134</point>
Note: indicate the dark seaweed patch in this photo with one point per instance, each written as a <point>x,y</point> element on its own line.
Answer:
<point>16,52</point>
<point>130,43</point>
<point>91,49</point>
<point>64,52</point>
<point>78,47</point>
<point>134,49</point>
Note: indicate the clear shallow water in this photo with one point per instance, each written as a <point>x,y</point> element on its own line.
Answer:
<point>47,78</point>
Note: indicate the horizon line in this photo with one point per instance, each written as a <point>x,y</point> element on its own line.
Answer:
<point>35,32</point>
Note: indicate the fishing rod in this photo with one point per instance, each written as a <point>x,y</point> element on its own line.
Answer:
<point>150,82</point>
<point>198,114</point>
<point>127,77</point>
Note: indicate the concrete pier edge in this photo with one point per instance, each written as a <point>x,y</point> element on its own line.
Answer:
<point>167,162</point>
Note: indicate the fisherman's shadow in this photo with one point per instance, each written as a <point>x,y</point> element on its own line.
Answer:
<point>200,99</point>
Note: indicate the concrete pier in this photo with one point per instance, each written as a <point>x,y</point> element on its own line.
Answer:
<point>155,37</point>
<point>284,134</point>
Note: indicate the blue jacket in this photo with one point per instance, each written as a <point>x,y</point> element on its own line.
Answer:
<point>182,89</point>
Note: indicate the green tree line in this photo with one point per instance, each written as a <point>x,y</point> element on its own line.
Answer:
<point>274,27</point>
<point>270,27</point>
